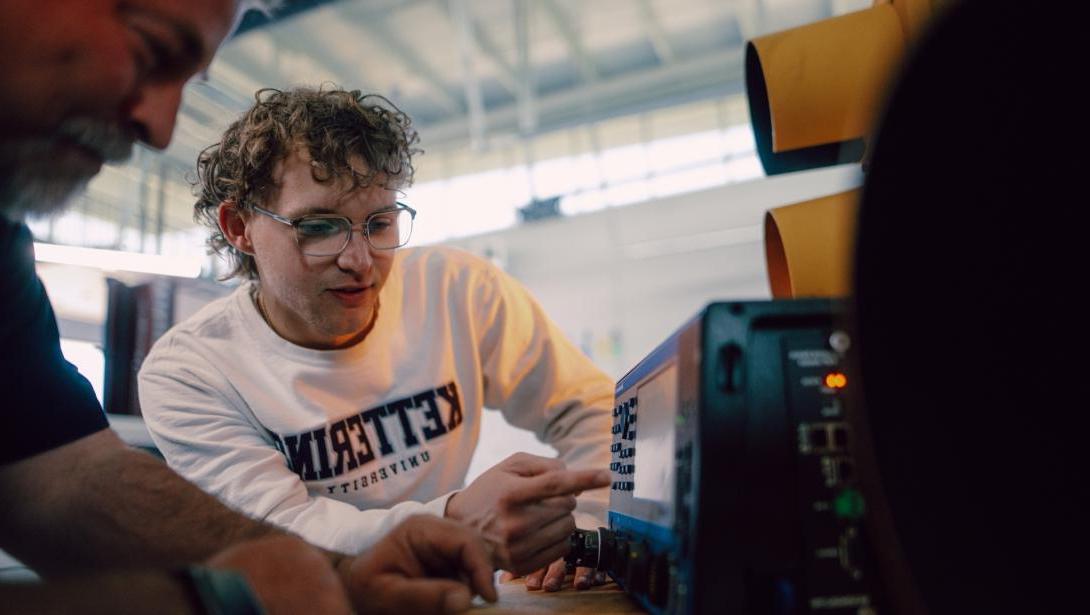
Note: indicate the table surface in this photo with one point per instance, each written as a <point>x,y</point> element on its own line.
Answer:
<point>515,598</point>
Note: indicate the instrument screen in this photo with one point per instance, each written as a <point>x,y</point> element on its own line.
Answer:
<point>654,472</point>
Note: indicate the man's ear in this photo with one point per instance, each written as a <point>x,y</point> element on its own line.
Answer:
<point>233,224</point>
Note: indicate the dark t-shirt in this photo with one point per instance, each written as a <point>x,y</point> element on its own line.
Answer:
<point>44,401</point>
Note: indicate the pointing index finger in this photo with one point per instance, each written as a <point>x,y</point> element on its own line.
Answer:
<point>558,482</point>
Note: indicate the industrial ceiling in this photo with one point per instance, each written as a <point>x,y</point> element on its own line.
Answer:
<point>473,74</point>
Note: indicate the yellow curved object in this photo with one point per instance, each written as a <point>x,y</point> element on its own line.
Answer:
<point>809,245</point>
<point>815,92</point>
<point>826,81</point>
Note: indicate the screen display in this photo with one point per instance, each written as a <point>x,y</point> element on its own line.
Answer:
<point>655,415</point>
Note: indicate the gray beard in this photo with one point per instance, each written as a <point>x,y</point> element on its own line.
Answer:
<point>32,184</point>
<point>33,190</point>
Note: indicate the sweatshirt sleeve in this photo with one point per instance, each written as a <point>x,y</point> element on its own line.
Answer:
<point>543,383</point>
<point>206,434</point>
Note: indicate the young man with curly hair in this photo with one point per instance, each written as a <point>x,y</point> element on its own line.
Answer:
<point>340,388</point>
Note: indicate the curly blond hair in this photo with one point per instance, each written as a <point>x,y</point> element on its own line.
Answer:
<point>333,125</point>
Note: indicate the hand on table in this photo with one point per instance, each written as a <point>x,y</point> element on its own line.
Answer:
<point>551,579</point>
<point>424,565</point>
<point>522,508</point>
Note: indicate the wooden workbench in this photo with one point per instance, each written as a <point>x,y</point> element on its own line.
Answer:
<point>516,599</point>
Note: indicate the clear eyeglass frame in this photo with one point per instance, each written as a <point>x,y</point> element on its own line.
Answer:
<point>345,227</point>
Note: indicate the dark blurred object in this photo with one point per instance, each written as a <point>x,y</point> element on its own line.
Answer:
<point>592,549</point>
<point>971,336</point>
<point>540,209</point>
<point>136,316</point>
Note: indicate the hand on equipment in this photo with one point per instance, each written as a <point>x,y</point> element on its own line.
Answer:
<point>522,507</point>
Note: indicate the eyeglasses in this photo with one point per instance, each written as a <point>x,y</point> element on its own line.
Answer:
<point>328,235</point>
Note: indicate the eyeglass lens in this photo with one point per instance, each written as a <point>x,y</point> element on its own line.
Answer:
<point>328,236</point>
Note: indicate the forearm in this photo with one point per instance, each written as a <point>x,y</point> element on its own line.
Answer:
<point>341,527</point>
<point>117,593</point>
<point>97,503</point>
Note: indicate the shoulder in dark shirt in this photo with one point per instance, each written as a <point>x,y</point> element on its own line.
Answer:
<point>45,401</point>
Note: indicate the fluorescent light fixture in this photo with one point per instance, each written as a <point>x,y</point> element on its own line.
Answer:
<point>113,260</point>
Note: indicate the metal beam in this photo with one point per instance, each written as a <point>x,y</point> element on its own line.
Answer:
<point>686,80</point>
<point>651,24</point>
<point>242,73</point>
<point>349,76</point>
<point>474,99</point>
<point>375,27</point>
<point>524,100</point>
<point>83,331</point>
<point>564,27</point>
<point>505,72</point>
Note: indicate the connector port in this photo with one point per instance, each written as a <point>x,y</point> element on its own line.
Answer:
<point>840,438</point>
<point>845,469</point>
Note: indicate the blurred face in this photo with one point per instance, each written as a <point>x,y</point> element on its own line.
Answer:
<point>81,80</point>
<point>317,301</point>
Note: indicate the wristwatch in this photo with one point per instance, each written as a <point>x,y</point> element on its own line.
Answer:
<point>221,592</point>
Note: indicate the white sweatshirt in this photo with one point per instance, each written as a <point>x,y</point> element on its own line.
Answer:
<point>340,445</point>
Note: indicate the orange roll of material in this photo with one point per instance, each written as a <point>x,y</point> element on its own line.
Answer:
<point>815,91</point>
<point>809,246</point>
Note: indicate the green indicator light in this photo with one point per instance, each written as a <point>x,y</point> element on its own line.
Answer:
<point>849,504</point>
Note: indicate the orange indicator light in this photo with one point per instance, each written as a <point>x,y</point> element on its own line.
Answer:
<point>836,380</point>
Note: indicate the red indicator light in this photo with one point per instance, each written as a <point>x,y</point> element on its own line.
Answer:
<point>836,380</point>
